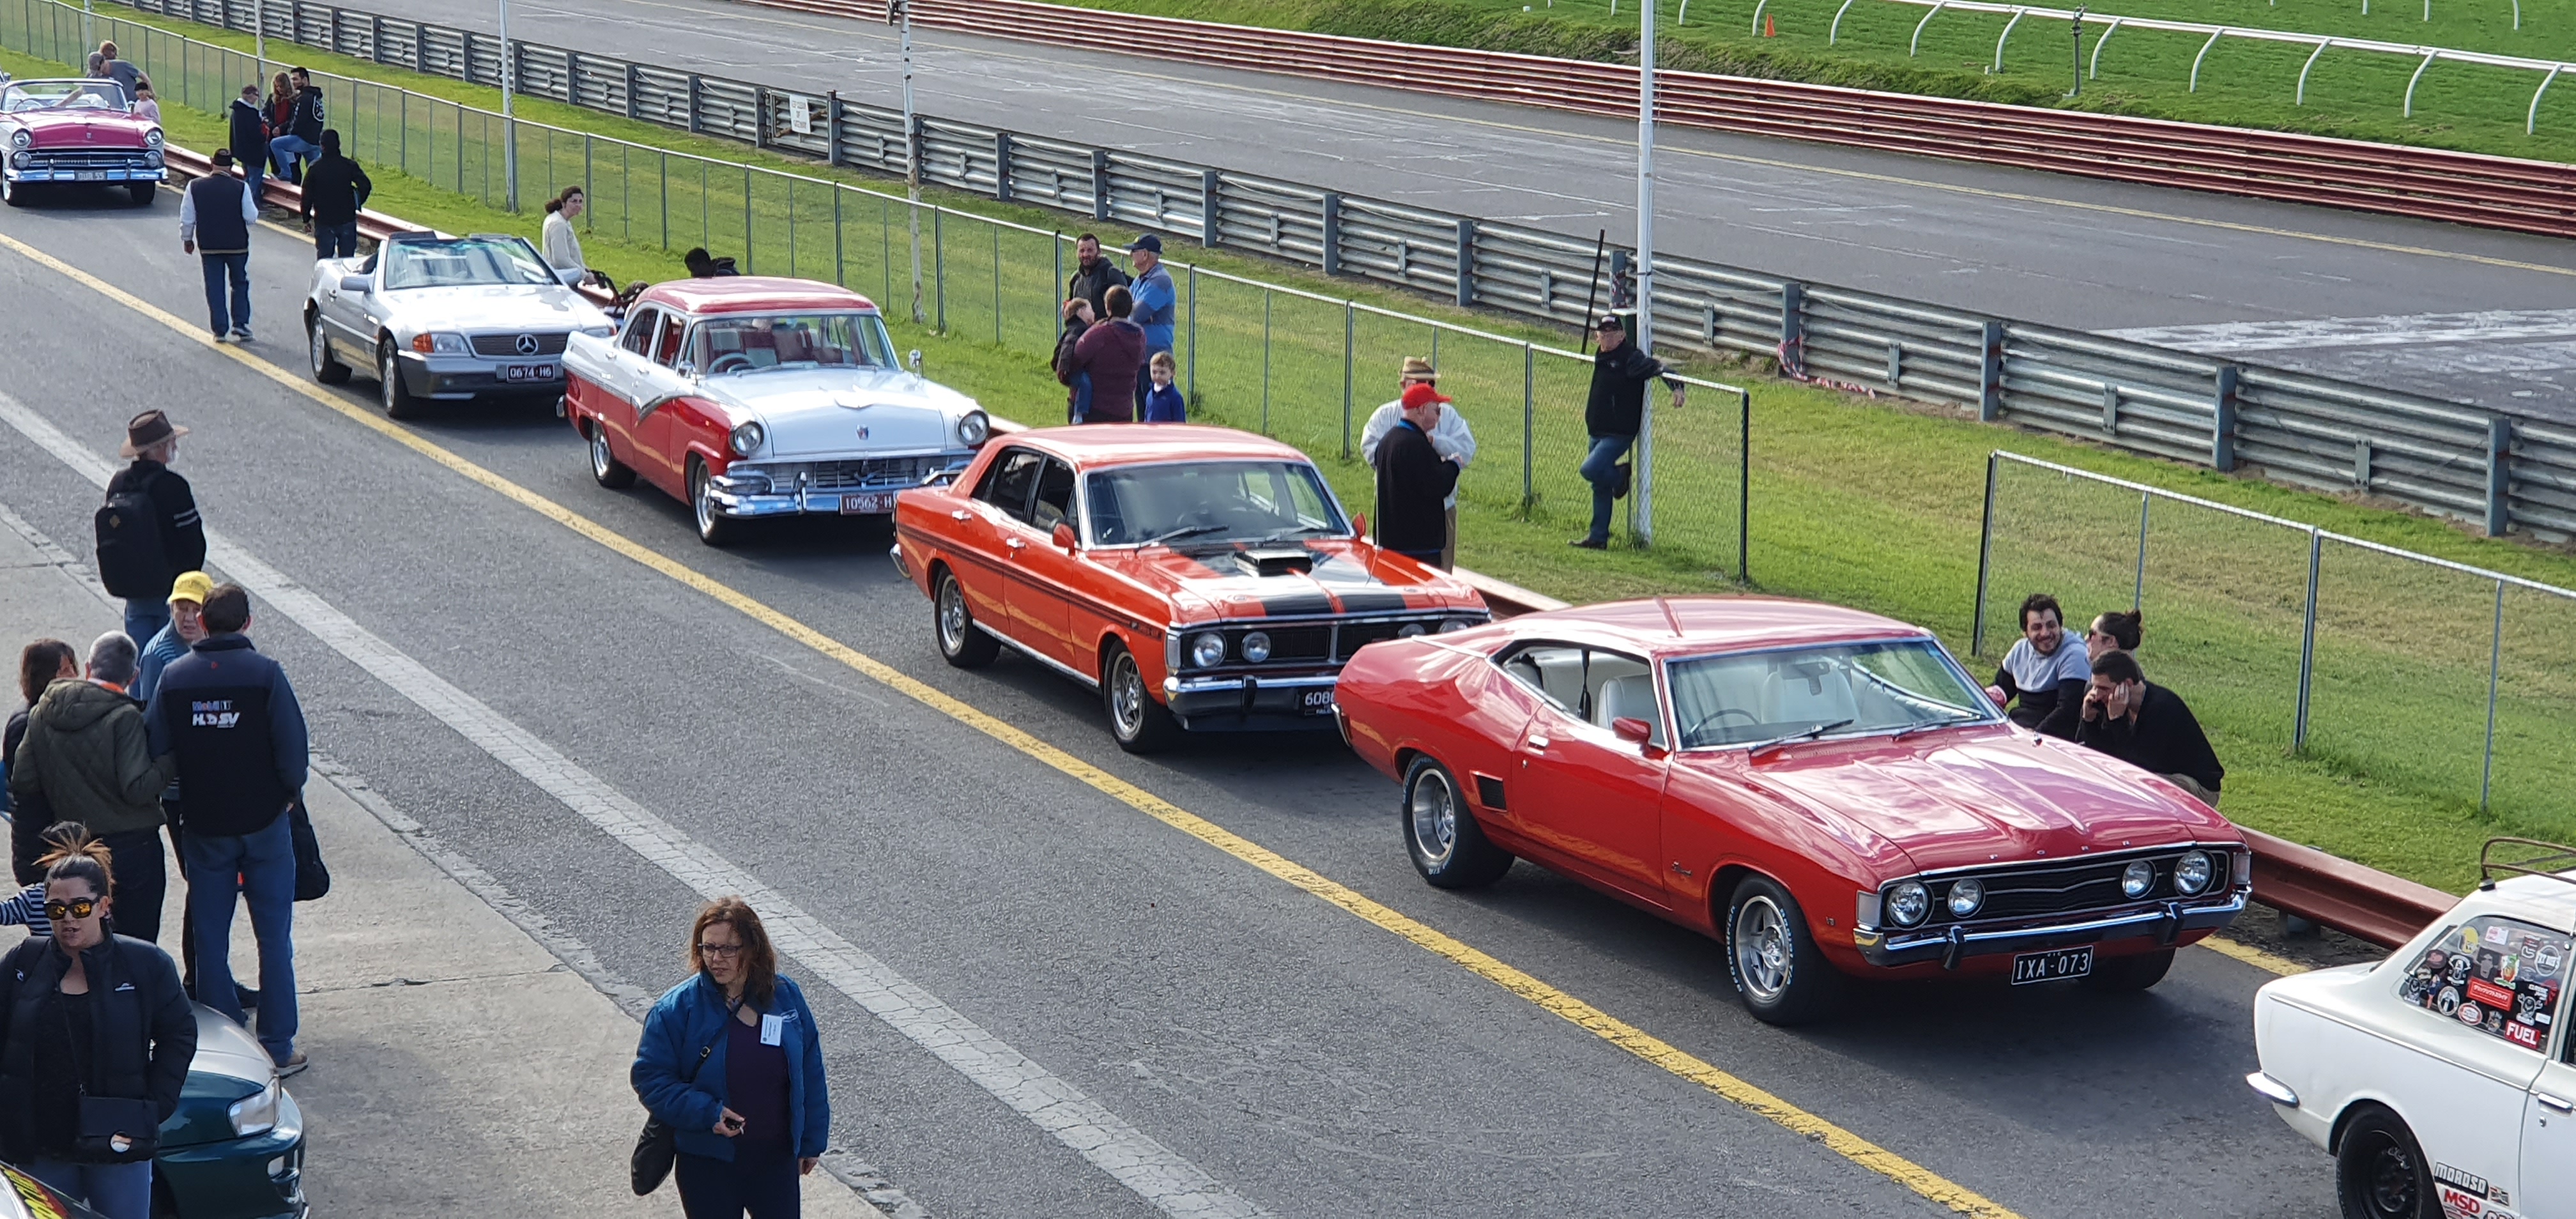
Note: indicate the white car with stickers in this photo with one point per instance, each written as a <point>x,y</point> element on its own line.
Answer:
<point>2441,1079</point>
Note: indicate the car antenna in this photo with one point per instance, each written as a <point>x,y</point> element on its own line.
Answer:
<point>1669,619</point>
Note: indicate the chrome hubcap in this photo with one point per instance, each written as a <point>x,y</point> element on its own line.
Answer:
<point>706,504</point>
<point>1763,952</point>
<point>1127,695</point>
<point>599,458</point>
<point>1434,809</point>
<point>321,347</point>
<point>952,616</point>
<point>385,378</point>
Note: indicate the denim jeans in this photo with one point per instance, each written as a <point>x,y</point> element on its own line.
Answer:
<point>335,240</point>
<point>254,173</point>
<point>1081,396</point>
<point>1601,469</point>
<point>261,867</point>
<point>141,882</point>
<point>220,270</point>
<point>118,1191</point>
<point>290,154</point>
<point>147,615</point>
<point>764,1188</point>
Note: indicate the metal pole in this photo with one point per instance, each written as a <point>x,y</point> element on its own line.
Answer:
<point>901,12</point>
<point>509,125</point>
<point>1266,295</point>
<point>1529,421</point>
<point>2078,90</point>
<point>1744,488</point>
<point>1349,331</point>
<point>1190,388</point>
<point>938,264</point>
<point>997,283</point>
<point>89,33</point>
<point>840,260</point>
<point>259,37</point>
<point>1644,504</point>
<point>1985,562</point>
<point>2495,665</point>
<point>2138,596</point>
<point>2308,642</point>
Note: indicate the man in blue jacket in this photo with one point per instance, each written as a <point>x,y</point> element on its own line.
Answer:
<point>1157,308</point>
<point>231,716</point>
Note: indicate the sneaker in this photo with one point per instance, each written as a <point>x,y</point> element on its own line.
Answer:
<point>292,1066</point>
<point>223,336</point>
<point>1588,544</point>
<point>241,334</point>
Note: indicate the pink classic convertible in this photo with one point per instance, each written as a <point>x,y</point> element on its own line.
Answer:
<point>77,132</point>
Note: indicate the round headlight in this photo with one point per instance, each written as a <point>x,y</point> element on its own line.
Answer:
<point>973,428</point>
<point>152,159</point>
<point>19,158</point>
<point>1256,647</point>
<point>1908,902</point>
<point>152,138</point>
<point>746,439</point>
<point>1409,630</point>
<point>21,138</point>
<point>1965,897</point>
<point>1207,650</point>
<point>2137,878</point>
<point>1454,624</point>
<point>2192,872</point>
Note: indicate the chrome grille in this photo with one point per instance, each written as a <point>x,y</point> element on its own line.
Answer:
<point>86,158</point>
<point>1287,643</point>
<point>505,346</point>
<point>2036,892</point>
<point>869,474</point>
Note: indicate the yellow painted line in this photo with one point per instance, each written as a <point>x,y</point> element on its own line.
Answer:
<point>1575,1011</point>
<point>2256,957</point>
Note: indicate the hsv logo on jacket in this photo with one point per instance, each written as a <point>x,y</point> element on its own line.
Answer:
<point>213,713</point>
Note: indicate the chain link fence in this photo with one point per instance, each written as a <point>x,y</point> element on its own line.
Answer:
<point>2393,665</point>
<point>1305,367</point>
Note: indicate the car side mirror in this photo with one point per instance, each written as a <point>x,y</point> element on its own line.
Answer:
<point>356,283</point>
<point>1359,524</point>
<point>686,369</point>
<point>1065,539</point>
<point>1635,732</point>
<point>915,360</point>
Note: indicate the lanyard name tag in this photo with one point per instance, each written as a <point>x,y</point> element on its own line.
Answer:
<point>772,1027</point>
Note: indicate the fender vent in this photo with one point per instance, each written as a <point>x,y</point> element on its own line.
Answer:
<point>1275,562</point>
<point>1489,792</point>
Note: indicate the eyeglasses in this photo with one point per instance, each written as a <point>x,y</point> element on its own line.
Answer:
<point>80,907</point>
<point>704,949</point>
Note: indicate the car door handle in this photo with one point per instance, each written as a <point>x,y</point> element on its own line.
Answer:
<point>1537,743</point>
<point>2563,1106</point>
<point>1015,544</point>
<point>961,514</point>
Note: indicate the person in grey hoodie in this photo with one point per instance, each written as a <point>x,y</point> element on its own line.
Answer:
<point>88,757</point>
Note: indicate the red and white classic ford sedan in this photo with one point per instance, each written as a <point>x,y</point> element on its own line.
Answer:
<point>1825,791</point>
<point>75,132</point>
<point>753,397</point>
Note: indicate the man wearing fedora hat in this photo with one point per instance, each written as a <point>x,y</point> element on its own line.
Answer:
<point>1450,440</point>
<point>143,570</point>
<point>1614,415</point>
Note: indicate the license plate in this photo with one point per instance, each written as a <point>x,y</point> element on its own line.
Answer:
<point>1318,702</point>
<point>872,503</point>
<point>90,175</point>
<point>528,372</point>
<point>2054,966</point>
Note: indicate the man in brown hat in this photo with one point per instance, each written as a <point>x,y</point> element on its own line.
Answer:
<point>142,564</point>
<point>1450,439</point>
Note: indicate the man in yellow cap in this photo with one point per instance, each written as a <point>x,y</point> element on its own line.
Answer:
<point>187,601</point>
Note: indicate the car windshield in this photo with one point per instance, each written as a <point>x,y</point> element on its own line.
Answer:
<point>754,342</point>
<point>1211,501</point>
<point>1749,697</point>
<point>63,94</point>
<point>463,262</point>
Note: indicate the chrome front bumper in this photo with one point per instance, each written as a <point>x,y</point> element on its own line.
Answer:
<point>40,173</point>
<point>455,378</point>
<point>1250,703</point>
<point>762,495</point>
<point>2166,920</point>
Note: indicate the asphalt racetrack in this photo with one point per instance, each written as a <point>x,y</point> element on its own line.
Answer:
<point>2453,312</point>
<point>1305,1061</point>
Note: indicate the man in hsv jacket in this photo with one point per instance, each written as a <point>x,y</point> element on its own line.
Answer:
<point>231,717</point>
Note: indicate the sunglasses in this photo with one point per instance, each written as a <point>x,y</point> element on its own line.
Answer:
<point>79,907</point>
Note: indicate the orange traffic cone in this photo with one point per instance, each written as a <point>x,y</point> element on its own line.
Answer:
<point>1770,28</point>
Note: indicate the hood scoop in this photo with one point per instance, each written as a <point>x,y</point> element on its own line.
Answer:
<point>1275,562</point>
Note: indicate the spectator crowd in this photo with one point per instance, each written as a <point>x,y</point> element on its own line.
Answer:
<point>2096,694</point>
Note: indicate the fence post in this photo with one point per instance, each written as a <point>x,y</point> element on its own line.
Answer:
<point>2308,642</point>
<point>1466,262</point>
<point>1350,330</point>
<point>1793,333</point>
<point>1002,166</point>
<point>1332,234</point>
<point>2499,472</point>
<point>1266,295</point>
<point>1529,422</point>
<point>1100,185</point>
<point>2495,665</point>
<point>832,132</point>
<point>1985,561</point>
<point>2138,595</point>
<point>420,49</point>
<point>634,90</point>
<point>2222,434</point>
<point>760,116</point>
<point>939,265</point>
<point>696,89</point>
<point>1990,375</point>
<point>376,39</point>
<point>1211,228</point>
<point>1190,387</point>
<point>1744,487</point>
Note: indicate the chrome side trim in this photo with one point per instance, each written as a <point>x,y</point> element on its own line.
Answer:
<point>1025,650</point>
<point>2273,1090</point>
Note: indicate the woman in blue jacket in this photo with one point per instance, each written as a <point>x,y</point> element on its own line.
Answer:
<point>731,1059</point>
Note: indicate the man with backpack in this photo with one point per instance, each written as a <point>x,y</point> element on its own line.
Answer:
<point>148,531</point>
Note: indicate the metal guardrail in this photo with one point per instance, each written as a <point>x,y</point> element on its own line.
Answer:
<point>2360,901</point>
<point>2503,471</point>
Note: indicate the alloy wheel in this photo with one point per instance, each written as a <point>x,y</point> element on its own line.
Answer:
<point>1434,813</point>
<point>1127,695</point>
<point>952,617</point>
<point>1764,957</point>
<point>601,461</point>
<point>320,347</point>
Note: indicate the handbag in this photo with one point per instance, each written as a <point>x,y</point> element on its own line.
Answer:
<point>312,880</point>
<point>104,1120</point>
<point>658,1147</point>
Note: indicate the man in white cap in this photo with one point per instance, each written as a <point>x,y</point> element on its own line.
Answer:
<point>1449,438</point>
<point>148,532</point>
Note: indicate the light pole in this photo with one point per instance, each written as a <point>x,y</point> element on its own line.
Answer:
<point>259,39</point>
<point>509,125</point>
<point>2078,90</point>
<point>89,34</point>
<point>899,13</point>
<point>1644,337</point>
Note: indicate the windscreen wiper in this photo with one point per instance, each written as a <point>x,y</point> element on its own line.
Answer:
<point>1800,735</point>
<point>1185,531</point>
<point>1964,717</point>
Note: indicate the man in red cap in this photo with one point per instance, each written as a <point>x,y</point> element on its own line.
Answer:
<point>1414,481</point>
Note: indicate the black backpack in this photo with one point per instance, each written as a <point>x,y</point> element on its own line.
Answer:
<point>131,562</point>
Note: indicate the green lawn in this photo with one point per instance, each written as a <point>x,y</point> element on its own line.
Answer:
<point>1868,503</point>
<point>2242,83</point>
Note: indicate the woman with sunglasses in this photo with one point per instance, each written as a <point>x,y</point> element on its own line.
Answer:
<point>95,1041</point>
<point>732,1061</point>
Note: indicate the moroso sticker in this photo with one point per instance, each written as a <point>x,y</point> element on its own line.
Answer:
<point>2471,1014</point>
<point>2489,993</point>
<point>2468,1181</point>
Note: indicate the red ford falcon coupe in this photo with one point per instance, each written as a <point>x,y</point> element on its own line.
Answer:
<point>1825,791</point>
<point>1201,578</point>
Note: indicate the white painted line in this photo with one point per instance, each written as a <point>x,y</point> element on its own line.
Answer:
<point>2394,330</point>
<point>1152,1171</point>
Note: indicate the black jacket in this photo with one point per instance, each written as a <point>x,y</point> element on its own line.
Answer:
<point>249,133</point>
<point>1064,345</point>
<point>1617,406</point>
<point>305,121</point>
<point>28,819</point>
<point>183,536</point>
<point>145,1032</point>
<point>232,717</point>
<point>334,189</point>
<point>1413,484</point>
<point>2164,739</point>
<point>1094,285</point>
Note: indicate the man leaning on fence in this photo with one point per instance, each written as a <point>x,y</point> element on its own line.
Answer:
<point>1450,439</point>
<point>1614,415</point>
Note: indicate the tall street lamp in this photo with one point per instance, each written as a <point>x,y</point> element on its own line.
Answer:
<point>1644,335</point>
<point>899,13</point>
<point>509,125</point>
